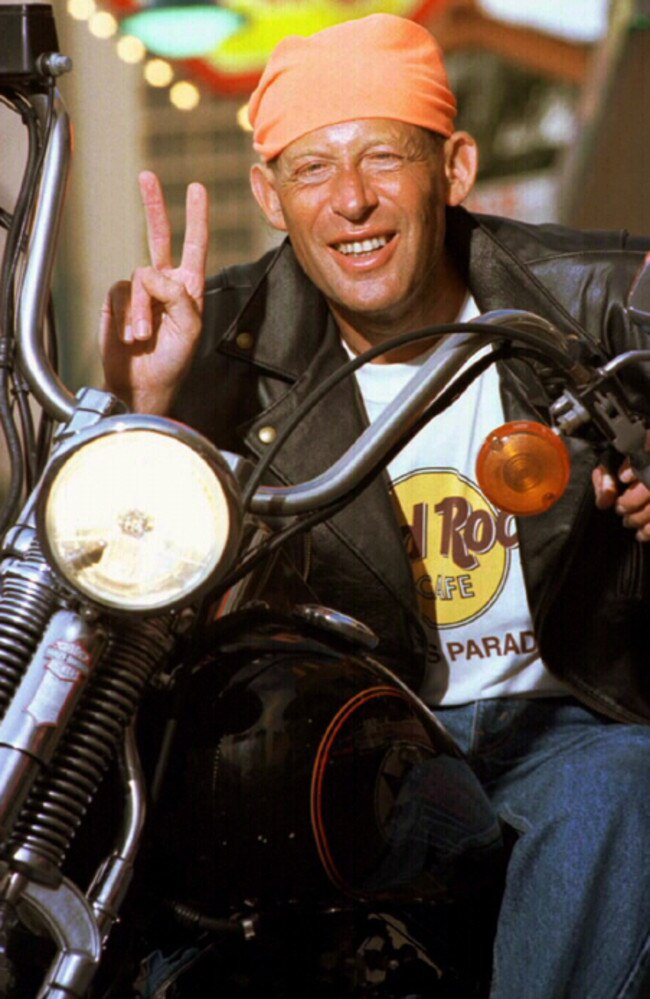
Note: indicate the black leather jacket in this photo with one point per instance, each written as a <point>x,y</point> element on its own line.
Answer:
<point>269,339</point>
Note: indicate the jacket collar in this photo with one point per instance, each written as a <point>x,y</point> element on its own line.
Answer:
<point>284,316</point>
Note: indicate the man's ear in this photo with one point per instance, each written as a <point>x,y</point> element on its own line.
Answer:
<point>461,166</point>
<point>266,195</point>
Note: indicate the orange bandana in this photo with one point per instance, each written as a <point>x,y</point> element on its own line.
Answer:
<point>381,66</point>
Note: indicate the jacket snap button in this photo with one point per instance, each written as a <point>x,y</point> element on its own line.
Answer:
<point>244,341</point>
<point>267,434</point>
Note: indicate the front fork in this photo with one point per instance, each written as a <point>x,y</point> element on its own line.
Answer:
<point>79,924</point>
<point>41,709</point>
<point>70,714</point>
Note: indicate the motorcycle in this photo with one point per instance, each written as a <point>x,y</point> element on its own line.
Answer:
<point>151,660</point>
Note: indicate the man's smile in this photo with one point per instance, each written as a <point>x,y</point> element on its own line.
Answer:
<point>360,255</point>
<point>356,247</point>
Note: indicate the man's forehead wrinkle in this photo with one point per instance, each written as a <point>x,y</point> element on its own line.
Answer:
<point>412,140</point>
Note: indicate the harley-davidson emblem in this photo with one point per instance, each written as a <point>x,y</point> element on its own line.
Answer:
<point>68,661</point>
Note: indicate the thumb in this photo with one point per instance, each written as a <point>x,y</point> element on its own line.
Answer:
<point>605,487</point>
<point>179,306</point>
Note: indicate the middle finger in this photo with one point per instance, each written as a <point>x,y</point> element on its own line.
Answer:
<point>195,244</point>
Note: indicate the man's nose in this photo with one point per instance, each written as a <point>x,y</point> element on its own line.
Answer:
<point>352,193</point>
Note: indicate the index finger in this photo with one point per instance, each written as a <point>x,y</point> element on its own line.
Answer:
<point>195,243</point>
<point>159,235</point>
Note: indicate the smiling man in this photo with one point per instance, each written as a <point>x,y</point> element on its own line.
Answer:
<point>529,639</point>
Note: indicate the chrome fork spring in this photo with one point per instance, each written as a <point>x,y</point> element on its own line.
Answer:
<point>26,604</point>
<point>62,794</point>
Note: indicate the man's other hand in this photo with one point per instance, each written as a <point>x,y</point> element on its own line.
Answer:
<point>632,502</point>
<point>150,326</point>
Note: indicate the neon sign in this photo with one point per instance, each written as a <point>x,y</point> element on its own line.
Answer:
<point>234,65</point>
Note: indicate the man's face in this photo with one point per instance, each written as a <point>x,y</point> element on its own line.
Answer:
<point>363,203</point>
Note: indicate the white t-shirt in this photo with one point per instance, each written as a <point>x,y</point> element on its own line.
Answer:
<point>464,552</point>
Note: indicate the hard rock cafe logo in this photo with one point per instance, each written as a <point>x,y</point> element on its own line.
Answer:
<point>458,544</point>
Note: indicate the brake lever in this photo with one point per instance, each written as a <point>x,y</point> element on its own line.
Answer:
<point>602,401</point>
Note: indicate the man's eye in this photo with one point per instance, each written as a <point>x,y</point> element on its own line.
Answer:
<point>309,170</point>
<point>384,158</point>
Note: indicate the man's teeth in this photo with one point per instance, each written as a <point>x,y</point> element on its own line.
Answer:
<point>365,246</point>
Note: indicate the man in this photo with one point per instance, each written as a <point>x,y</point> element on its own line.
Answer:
<point>529,645</point>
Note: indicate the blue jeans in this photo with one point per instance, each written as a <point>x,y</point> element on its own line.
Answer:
<point>575,918</point>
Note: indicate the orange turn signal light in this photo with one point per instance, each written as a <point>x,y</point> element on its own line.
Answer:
<point>523,467</point>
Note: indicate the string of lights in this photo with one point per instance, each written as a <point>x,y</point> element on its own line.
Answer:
<point>157,72</point>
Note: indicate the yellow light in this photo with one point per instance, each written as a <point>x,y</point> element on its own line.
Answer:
<point>81,10</point>
<point>102,24</point>
<point>158,73</point>
<point>184,95</point>
<point>130,49</point>
<point>152,539</point>
<point>523,467</point>
<point>243,120</point>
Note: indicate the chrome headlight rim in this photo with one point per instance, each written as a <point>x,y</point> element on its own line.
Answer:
<point>126,424</point>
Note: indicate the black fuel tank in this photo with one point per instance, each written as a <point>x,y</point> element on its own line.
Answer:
<point>308,773</point>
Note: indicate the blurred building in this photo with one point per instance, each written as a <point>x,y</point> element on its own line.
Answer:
<point>523,123</point>
<point>604,174</point>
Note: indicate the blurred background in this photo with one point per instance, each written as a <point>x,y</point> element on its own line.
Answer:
<point>554,91</point>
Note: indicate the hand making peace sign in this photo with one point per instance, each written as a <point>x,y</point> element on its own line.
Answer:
<point>150,326</point>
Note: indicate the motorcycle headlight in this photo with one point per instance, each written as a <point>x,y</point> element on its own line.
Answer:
<point>139,514</point>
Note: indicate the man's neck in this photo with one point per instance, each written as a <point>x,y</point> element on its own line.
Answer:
<point>361,332</point>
